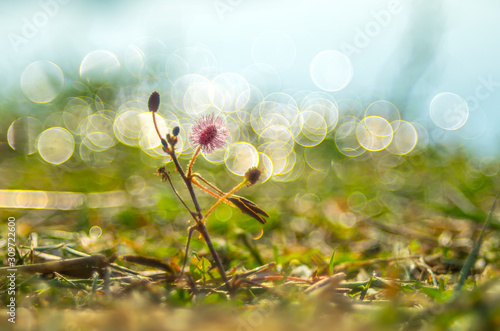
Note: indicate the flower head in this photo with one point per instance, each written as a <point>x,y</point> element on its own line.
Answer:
<point>210,132</point>
<point>252,175</point>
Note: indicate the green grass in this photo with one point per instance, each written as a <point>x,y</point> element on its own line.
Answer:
<point>401,254</point>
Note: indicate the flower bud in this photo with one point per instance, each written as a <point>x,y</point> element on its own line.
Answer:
<point>154,102</point>
<point>252,175</point>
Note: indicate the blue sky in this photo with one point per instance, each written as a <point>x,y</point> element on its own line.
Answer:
<point>403,51</point>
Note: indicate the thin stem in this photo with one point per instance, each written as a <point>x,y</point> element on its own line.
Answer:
<point>156,126</point>
<point>228,194</point>
<point>195,182</point>
<point>471,259</point>
<point>188,184</point>
<point>208,183</point>
<point>177,194</point>
<point>203,230</point>
<point>199,218</point>
<point>190,166</point>
<point>190,233</point>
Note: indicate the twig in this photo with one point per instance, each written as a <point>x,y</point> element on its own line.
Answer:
<point>148,261</point>
<point>112,265</point>
<point>78,266</point>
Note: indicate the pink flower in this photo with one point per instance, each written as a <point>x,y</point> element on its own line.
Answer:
<point>210,132</point>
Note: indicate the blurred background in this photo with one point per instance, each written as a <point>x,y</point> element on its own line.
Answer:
<point>349,109</point>
<point>374,123</point>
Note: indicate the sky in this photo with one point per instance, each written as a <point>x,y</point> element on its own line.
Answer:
<point>419,55</point>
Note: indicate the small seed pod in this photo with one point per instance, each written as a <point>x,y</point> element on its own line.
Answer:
<point>175,131</point>
<point>252,175</point>
<point>154,102</point>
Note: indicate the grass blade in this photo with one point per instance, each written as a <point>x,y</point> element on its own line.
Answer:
<point>471,259</point>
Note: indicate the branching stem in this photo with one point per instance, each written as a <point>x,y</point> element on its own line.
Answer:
<point>198,217</point>
<point>190,166</point>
